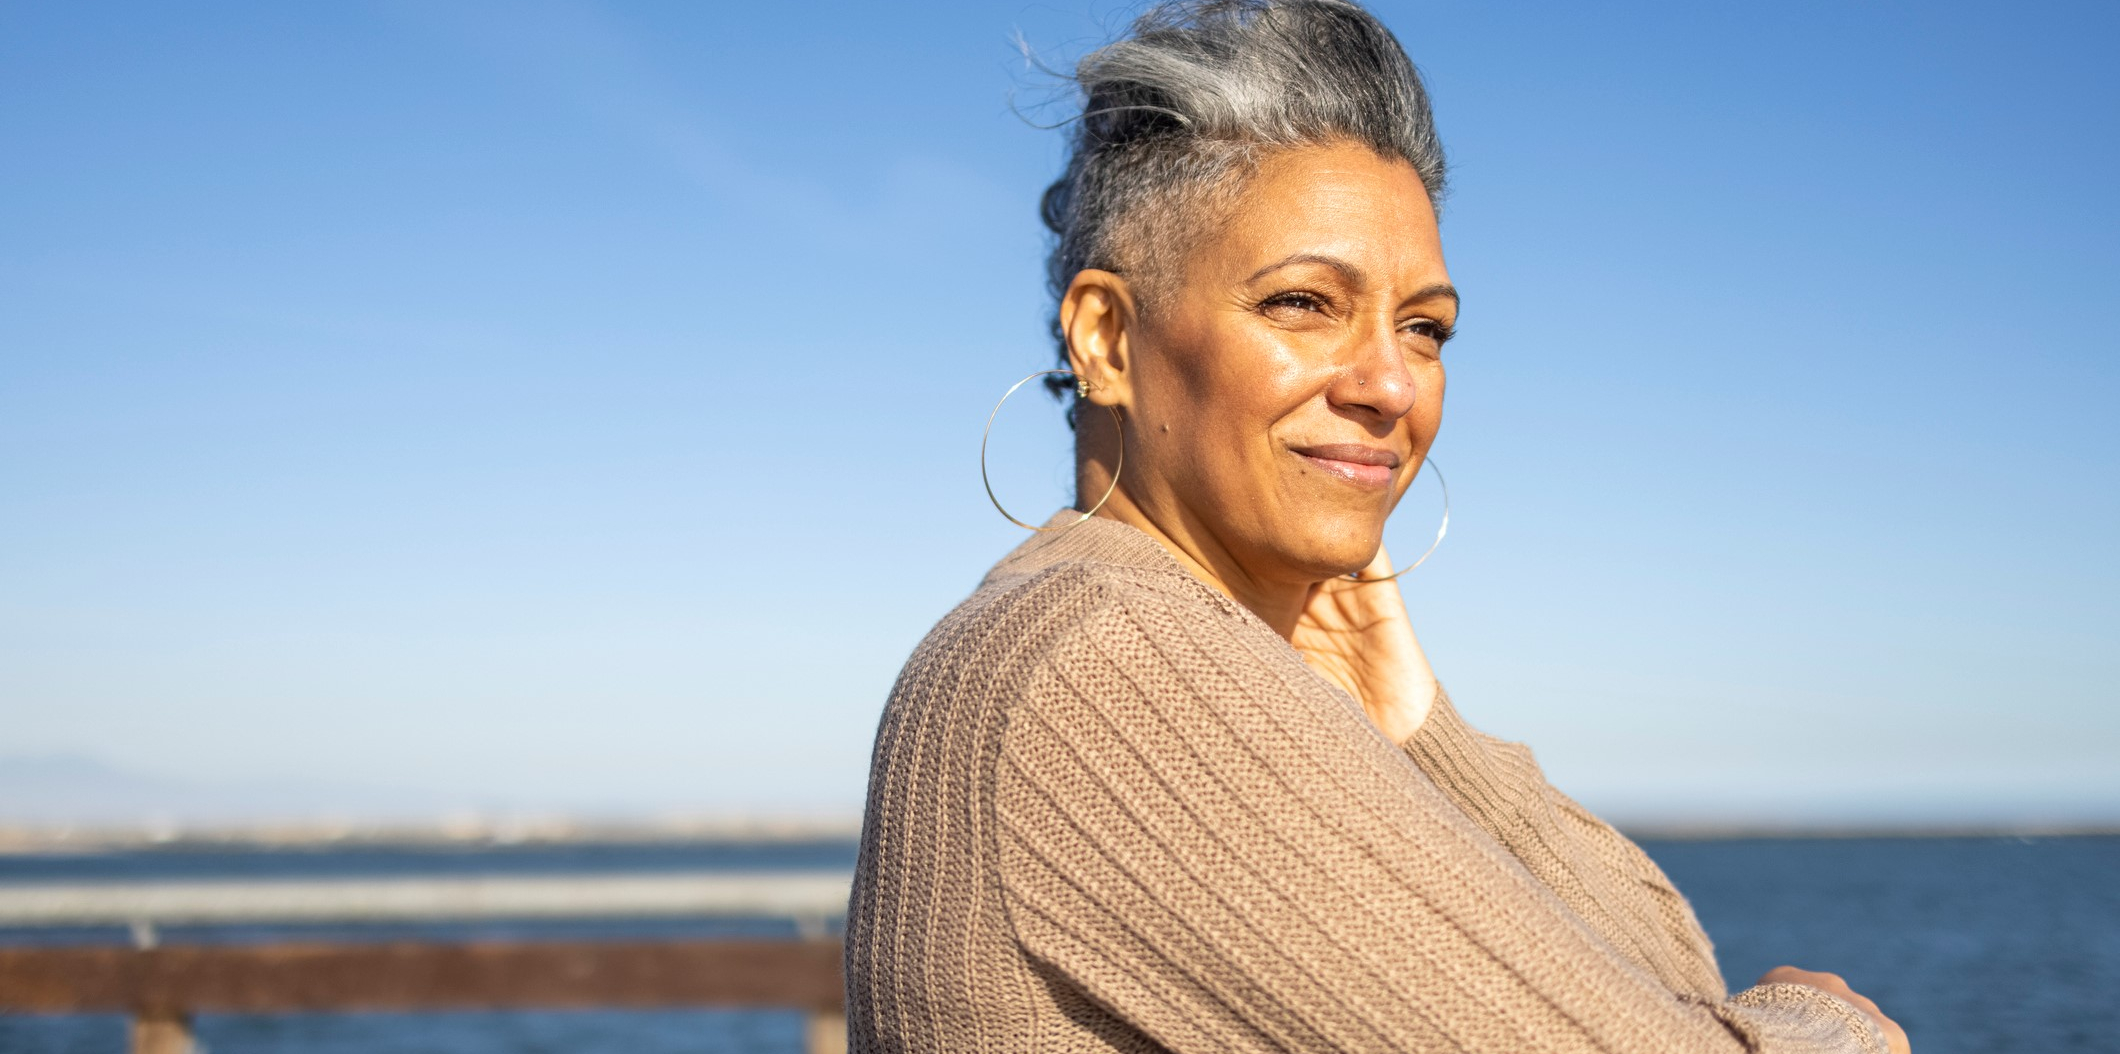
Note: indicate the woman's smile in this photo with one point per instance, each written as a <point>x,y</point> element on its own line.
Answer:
<point>1366,466</point>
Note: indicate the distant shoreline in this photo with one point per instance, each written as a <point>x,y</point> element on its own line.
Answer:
<point>1720,832</point>
<point>516,832</point>
<point>399,834</point>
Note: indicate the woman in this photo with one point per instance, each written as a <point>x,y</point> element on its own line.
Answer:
<point>1177,777</point>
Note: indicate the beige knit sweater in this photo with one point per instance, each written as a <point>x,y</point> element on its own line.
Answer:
<point>1111,810</point>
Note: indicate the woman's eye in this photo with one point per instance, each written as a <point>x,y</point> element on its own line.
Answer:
<point>1433,330</point>
<point>1297,301</point>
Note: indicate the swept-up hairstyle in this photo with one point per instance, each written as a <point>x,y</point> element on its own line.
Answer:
<point>1177,112</point>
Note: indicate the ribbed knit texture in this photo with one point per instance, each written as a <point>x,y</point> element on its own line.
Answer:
<point>1111,810</point>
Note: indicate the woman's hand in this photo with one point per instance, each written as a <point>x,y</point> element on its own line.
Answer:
<point>1832,984</point>
<point>1357,635</point>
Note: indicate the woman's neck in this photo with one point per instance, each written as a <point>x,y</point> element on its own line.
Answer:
<point>1278,604</point>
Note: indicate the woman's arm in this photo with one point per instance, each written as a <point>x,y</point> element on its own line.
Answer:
<point>1357,636</point>
<point>1600,874</point>
<point>1207,841</point>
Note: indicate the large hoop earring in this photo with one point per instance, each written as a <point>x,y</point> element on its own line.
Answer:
<point>1081,389</point>
<point>1429,464</point>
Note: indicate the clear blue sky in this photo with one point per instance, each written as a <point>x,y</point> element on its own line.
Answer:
<point>574,406</point>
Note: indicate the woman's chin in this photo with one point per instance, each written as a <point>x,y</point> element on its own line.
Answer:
<point>1332,554</point>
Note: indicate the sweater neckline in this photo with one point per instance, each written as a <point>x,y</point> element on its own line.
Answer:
<point>1065,536</point>
<point>1102,540</point>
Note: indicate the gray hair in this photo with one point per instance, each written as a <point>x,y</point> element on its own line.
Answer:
<point>1198,93</point>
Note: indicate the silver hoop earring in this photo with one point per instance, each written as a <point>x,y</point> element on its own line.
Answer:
<point>1081,390</point>
<point>1429,464</point>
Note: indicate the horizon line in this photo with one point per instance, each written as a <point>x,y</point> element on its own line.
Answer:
<point>506,831</point>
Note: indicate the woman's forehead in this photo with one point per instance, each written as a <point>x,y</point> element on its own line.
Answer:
<point>1346,209</point>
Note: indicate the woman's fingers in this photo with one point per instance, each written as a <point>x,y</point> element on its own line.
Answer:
<point>1834,984</point>
<point>1357,635</point>
<point>1379,566</point>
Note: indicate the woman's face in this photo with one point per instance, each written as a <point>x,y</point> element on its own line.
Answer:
<point>1283,391</point>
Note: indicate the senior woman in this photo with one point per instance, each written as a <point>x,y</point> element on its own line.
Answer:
<point>1177,776</point>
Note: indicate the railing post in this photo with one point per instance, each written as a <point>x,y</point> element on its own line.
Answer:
<point>827,1033</point>
<point>162,1032</point>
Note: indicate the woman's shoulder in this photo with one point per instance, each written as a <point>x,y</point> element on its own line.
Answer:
<point>1096,587</point>
<point>1025,612</point>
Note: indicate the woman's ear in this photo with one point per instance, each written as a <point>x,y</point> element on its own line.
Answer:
<point>1096,315</point>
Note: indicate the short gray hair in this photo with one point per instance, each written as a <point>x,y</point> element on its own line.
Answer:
<point>1199,91</point>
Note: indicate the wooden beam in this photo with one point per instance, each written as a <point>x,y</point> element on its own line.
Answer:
<point>171,981</point>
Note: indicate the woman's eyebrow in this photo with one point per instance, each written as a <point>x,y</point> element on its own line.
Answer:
<point>1347,270</point>
<point>1353,274</point>
<point>1436,290</point>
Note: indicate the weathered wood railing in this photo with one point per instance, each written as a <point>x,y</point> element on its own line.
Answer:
<point>163,986</point>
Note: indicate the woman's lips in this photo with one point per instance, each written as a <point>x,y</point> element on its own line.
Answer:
<point>1353,462</point>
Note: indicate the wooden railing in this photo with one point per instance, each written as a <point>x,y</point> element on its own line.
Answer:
<point>162,986</point>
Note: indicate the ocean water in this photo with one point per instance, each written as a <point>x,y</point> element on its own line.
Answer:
<point>1987,945</point>
<point>1974,945</point>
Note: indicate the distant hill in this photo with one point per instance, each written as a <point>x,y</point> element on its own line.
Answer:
<point>52,801</point>
<point>70,790</point>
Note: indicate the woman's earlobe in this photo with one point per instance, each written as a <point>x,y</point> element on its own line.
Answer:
<point>1094,318</point>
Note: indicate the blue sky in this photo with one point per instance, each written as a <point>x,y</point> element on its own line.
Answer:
<point>575,406</point>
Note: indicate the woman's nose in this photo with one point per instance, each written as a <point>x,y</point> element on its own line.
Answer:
<point>1377,378</point>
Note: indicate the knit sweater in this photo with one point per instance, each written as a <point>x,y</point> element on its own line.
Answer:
<point>1110,809</point>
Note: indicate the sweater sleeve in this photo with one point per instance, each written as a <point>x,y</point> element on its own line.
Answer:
<point>1601,875</point>
<point>1207,841</point>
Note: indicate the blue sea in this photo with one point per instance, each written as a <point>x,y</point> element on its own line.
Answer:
<point>1977,945</point>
